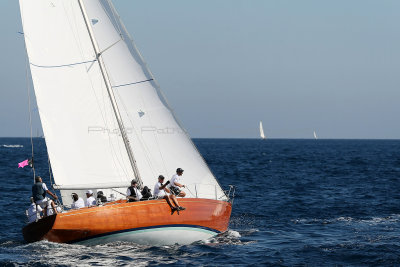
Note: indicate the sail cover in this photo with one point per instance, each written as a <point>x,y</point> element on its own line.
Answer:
<point>82,135</point>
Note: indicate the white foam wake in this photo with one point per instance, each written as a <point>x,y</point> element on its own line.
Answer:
<point>12,146</point>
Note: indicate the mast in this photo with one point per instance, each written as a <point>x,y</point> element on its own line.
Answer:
<point>111,95</point>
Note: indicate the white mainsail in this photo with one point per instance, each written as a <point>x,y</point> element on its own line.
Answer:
<point>262,135</point>
<point>82,131</point>
<point>315,135</point>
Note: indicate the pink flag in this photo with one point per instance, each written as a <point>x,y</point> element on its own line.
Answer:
<point>23,164</point>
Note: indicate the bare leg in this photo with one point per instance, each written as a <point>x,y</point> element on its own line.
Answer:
<point>37,212</point>
<point>45,211</point>
<point>173,198</point>
<point>176,203</point>
<point>168,201</point>
<point>54,207</point>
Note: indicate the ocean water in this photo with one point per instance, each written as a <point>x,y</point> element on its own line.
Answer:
<point>298,203</point>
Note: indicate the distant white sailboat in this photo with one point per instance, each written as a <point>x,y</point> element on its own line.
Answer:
<point>262,135</point>
<point>315,136</point>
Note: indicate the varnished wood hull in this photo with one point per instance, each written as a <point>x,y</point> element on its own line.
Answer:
<point>144,222</point>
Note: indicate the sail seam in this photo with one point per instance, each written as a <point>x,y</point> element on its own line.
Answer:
<point>64,65</point>
<point>126,84</point>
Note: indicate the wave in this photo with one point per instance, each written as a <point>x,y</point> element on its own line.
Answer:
<point>230,237</point>
<point>13,146</point>
<point>394,218</point>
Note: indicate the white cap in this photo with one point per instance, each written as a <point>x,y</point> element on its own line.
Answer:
<point>89,192</point>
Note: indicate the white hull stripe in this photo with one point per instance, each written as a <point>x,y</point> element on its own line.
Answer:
<point>196,228</point>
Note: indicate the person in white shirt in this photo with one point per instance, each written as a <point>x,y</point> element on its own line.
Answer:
<point>33,212</point>
<point>176,184</point>
<point>133,193</point>
<point>161,192</point>
<point>50,211</point>
<point>78,202</point>
<point>90,200</point>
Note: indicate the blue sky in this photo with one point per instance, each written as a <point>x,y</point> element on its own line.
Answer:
<point>299,66</point>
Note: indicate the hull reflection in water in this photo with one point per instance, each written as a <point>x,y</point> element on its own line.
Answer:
<point>146,222</point>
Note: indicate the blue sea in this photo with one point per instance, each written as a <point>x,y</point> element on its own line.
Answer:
<point>298,203</point>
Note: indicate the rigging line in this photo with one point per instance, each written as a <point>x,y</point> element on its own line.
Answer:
<point>48,163</point>
<point>126,84</point>
<point>63,65</point>
<point>30,111</point>
<point>118,192</point>
<point>29,95</point>
<point>100,53</point>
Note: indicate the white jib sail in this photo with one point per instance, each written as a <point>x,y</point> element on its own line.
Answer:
<point>262,135</point>
<point>82,134</point>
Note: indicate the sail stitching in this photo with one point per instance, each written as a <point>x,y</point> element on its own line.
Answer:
<point>63,65</point>
<point>126,84</point>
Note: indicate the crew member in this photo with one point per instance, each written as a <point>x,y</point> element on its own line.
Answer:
<point>78,202</point>
<point>33,212</point>
<point>90,200</point>
<point>39,190</point>
<point>176,185</point>
<point>161,192</point>
<point>133,193</point>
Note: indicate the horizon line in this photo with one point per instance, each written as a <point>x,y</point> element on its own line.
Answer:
<point>256,138</point>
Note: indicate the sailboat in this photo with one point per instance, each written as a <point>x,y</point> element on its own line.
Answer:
<point>105,122</point>
<point>315,136</point>
<point>262,135</point>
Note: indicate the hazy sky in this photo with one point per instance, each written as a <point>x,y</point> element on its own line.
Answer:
<point>299,66</point>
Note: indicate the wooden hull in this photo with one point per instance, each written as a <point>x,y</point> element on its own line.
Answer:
<point>145,222</point>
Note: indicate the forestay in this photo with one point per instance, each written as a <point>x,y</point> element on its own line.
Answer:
<point>81,130</point>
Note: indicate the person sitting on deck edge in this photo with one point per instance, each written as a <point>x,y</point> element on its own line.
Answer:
<point>161,192</point>
<point>39,190</point>
<point>176,184</point>
<point>132,193</point>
